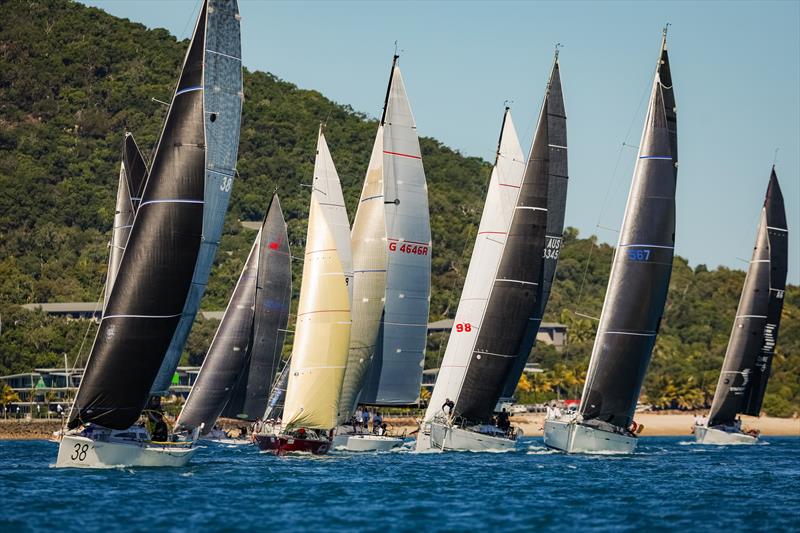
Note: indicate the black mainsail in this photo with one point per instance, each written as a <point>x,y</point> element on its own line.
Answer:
<point>515,292</point>
<point>745,371</point>
<point>155,274</point>
<point>556,208</point>
<point>272,302</point>
<point>640,273</point>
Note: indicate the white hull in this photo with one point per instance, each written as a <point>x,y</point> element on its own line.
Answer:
<point>444,437</point>
<point>707,435</point>
<point>366,443</point>
<point>76,451</point>
<point>423,441</point>
<point>228,441</point>
<point>571,437</point>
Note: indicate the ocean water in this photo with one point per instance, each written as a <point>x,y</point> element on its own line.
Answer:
<point>669,484</point>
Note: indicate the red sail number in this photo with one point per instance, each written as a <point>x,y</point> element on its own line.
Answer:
<point>407,248</point>
<point>460,328</point>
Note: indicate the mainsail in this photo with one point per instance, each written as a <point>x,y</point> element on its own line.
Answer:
<point>235,377</point>
<point>272,305</point>
<point>215,63</point>
<point>132,177</point>
<point>556,207</point>
<point>395,373</point>
<point>640,273</point>
<point>751,347</point>
<point>322,333</point>
<point>498,211</point>
<point>184,189</point>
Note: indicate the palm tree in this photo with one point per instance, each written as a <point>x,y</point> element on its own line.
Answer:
<point>8,396</point>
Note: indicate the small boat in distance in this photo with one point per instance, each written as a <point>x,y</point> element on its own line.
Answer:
<point>748,359</point>
<point>322,332</point>
<point>636,294</point>
<point>183,204</point>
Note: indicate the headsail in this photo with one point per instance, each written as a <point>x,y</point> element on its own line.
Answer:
<point>556,207</point>
<point>132,177</point>
<point>639,279</point>
<point>748,359</point>
<point>498,210</point>
<point>272,304</point>
<point>395,373</point>
<point>154,280</point>
<point>216,63</point>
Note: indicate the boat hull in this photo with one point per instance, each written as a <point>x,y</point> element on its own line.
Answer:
<point>229,441</point>
<point>572,437</point>
<point>444,437</point>
<point>366,442</point>
<point>707,435</point>
<point>82,452</point>
<point>283,444</point>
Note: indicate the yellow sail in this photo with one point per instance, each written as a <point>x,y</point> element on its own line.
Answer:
<point>322,333</point>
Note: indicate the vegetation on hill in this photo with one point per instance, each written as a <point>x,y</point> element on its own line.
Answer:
<point>73,79</point>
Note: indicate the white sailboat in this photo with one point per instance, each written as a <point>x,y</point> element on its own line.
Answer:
<point>322,331</point>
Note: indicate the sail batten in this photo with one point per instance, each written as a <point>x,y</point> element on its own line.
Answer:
<point>641,268</point>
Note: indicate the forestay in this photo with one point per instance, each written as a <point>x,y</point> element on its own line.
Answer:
<point>640,273</point>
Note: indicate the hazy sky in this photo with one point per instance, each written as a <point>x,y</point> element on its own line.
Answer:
<point>735,66</point>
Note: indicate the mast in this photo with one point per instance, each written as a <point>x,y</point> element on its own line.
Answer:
<point>395,373</point>
<point>154,279</point>
<point>498,210</point>
<point>218,63</point>
<point>640,273</point>
<point>271,317</point>
<point>745,371</point>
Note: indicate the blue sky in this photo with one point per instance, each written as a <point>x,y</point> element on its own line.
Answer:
<point>736,72</point>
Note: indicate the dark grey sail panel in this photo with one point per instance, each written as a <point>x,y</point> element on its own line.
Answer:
<point>135,169</point>
<point>277,396</point>
<point>514,293</point>
<point>227,355</point>
<point>748,359</point>
<point>155,273</point>
<point>272,305</point>
<point>640,274</point>
<point>556,208</point>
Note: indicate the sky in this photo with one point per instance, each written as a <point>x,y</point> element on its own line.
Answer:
<point>735,68</point>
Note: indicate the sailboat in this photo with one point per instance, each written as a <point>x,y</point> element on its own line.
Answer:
<point>636,293</point>
<point>392,263</point>
<point>748,359</point>
<point>322,332</point>
<point>245,352</point>
<point>132,177</point>
<point>181,208</point>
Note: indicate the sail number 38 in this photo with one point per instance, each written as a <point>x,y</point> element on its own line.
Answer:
<point>79,453</point>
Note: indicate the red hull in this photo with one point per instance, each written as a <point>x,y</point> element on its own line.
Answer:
<point>281,444</point>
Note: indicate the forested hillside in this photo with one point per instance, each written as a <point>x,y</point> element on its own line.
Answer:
<point>72,81</point>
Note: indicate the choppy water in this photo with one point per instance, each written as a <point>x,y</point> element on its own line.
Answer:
<point>668,484</point>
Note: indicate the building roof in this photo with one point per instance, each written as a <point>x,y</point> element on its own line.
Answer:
<point>65,307</point>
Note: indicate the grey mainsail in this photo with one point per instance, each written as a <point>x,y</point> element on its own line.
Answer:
<point>272,302</point>
<point>556,207</point>
<point>640,273</point>
<point>745,371</point>
<point>132,177</point>
<point>219,85</point>
<point>154,280</point>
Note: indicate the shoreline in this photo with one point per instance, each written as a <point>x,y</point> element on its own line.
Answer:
<point>655,425</point>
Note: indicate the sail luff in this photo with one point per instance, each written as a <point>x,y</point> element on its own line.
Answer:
<point>322,333</point>
<point>556,209</point>
<point>155,271</point>
<point>221,88</point>
<point>395,373</point>
<point>748,358</point>
<point>498,210</point>
<point>641,269</point>
<point>227,354</point>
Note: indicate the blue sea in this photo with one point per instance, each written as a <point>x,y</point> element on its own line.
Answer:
<point>669,484</point>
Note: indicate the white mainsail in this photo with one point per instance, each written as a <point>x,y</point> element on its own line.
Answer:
<point>322,332</point>
<point>498,210</point>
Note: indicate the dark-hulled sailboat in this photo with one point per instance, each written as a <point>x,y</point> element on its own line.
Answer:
<point>243,357</point>
<point>748,359</point>
<point>174,235</point>
<point>494,318</point>
<point>636,294</point>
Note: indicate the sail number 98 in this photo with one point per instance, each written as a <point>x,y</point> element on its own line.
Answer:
<point>639,254</point>
<point>461,328</point>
